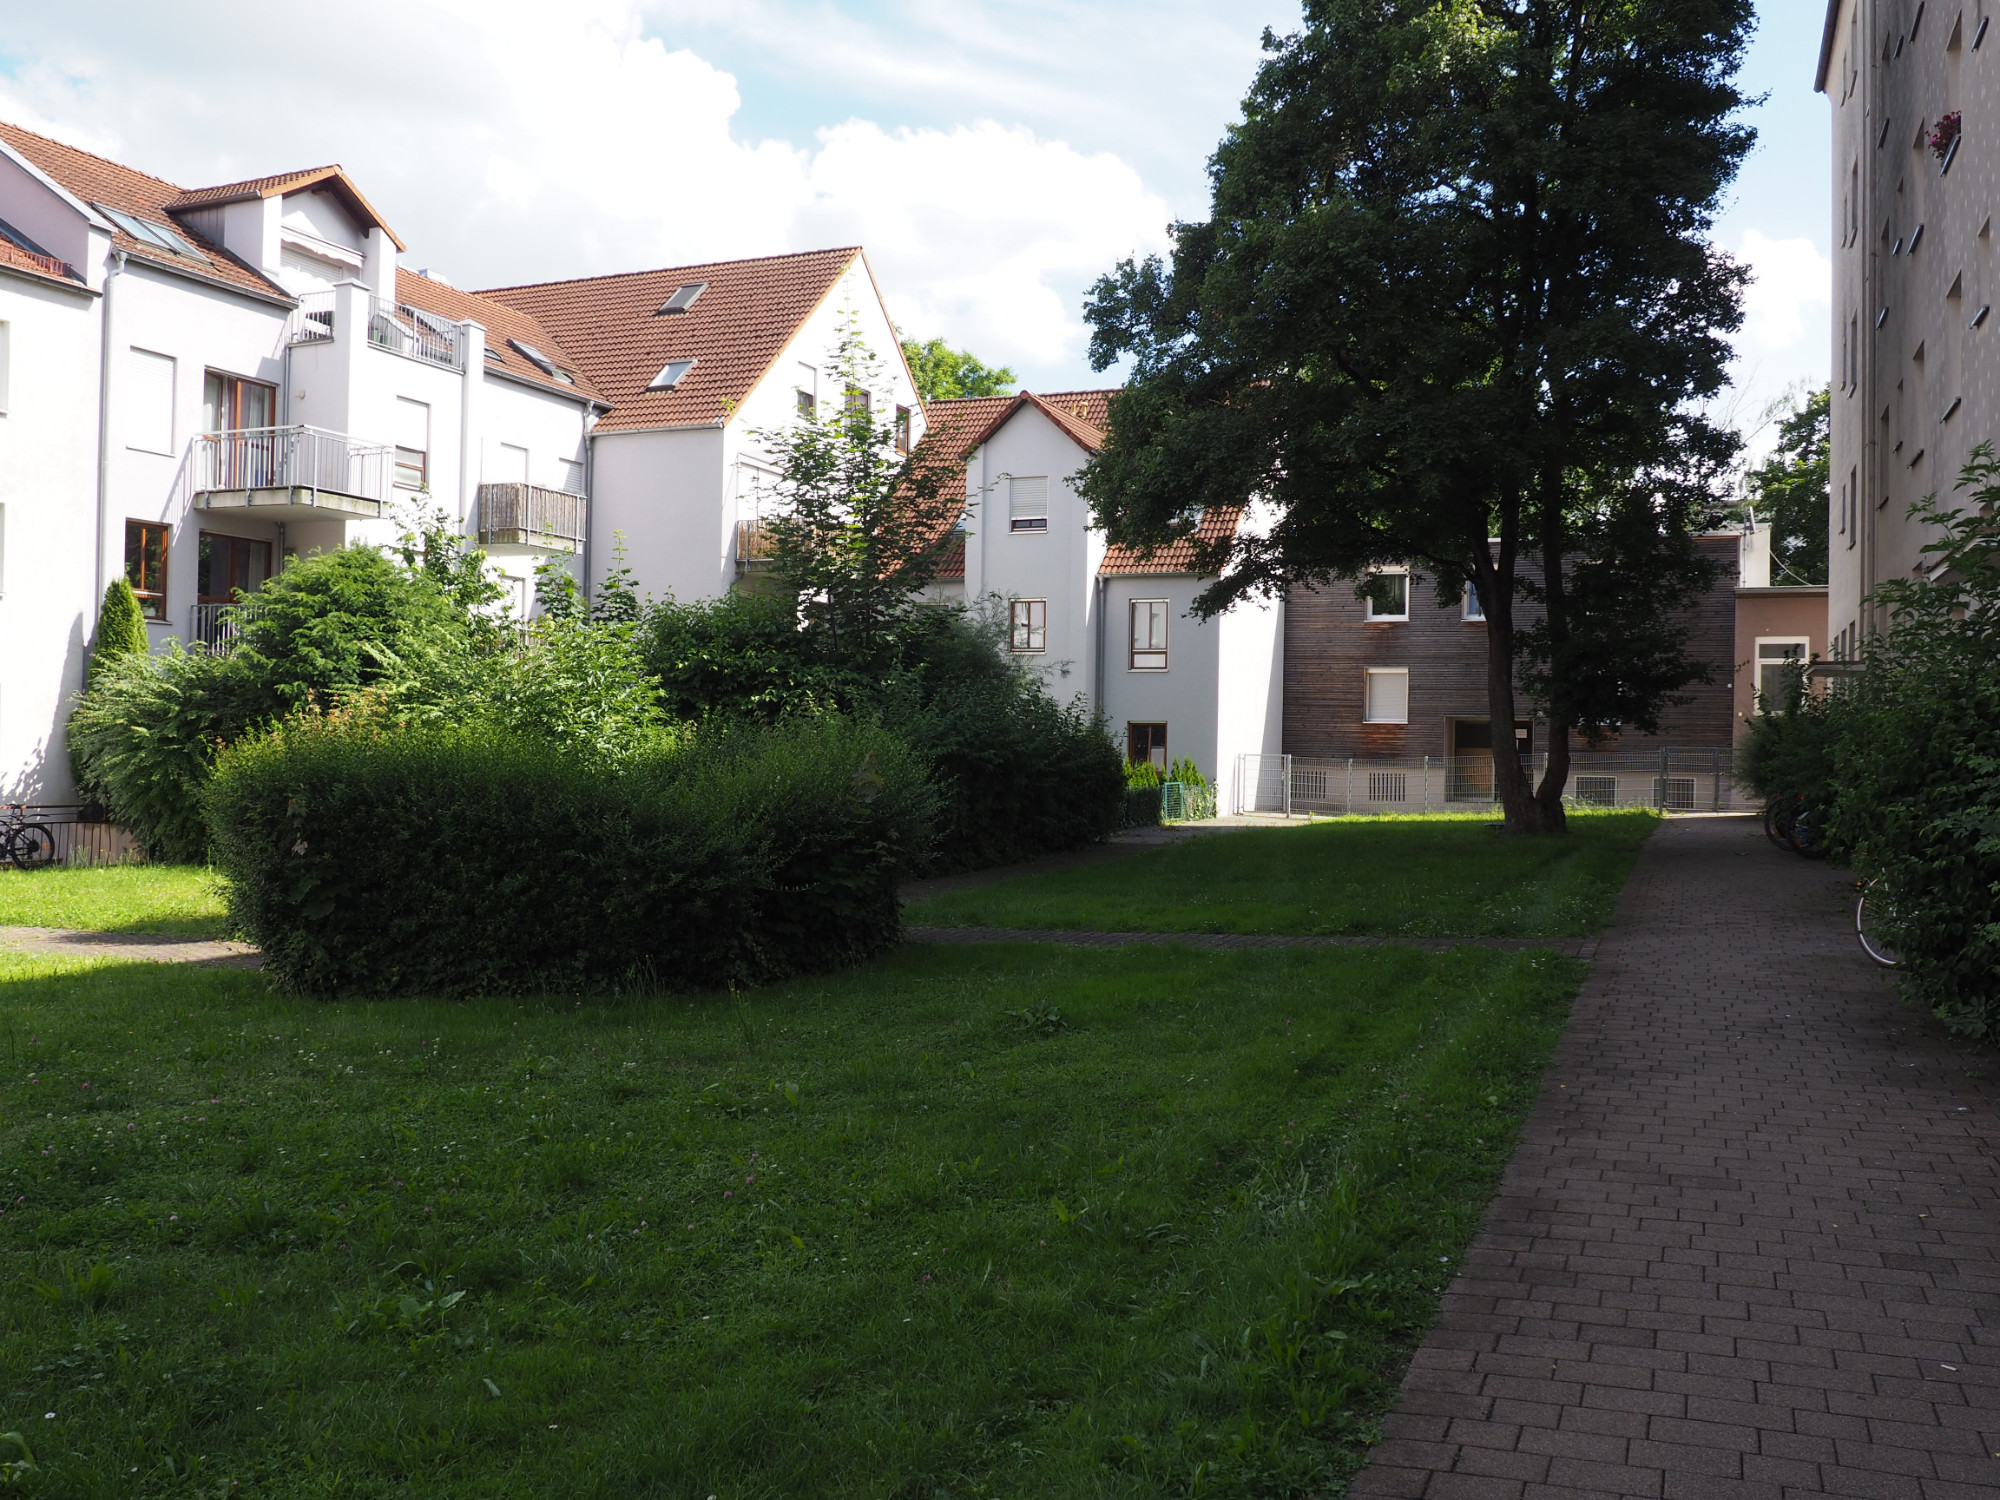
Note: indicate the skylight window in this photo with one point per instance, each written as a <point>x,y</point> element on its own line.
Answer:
<point>684,298</point>
<point>533,356</point>
<point>148,233</point>
<point>495,355</point>
<point>672,375</point>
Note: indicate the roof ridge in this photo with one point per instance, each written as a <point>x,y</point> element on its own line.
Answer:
<point>698,265</point>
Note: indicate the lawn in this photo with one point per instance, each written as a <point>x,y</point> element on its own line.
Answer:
<point>997,1220</point>
<point>179,900</point>
<point>1390,877</point>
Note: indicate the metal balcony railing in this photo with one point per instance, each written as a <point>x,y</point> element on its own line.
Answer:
<point>415,334</point>
<point>529,515</point>
<point>312,319</point>
<point>217,625</point>
<point>271,458</point>
<point>754,543</point>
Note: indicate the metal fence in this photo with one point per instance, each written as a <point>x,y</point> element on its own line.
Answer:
<point>300,457</point>
<point>82,838</point>
<point>1672,779</point>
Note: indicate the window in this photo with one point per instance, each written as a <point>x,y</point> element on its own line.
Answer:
<point>1781,667</point>
<point>572,476</point>
<point>1028,625</point>
<point>1028,503</point>
<point>808,389</point>
<point>230,404</point>
<point>146,232</point>
<point>684,297</point>
<point>146,566</point>
<point>1149,635</point>
<point>3,369</point>
<point>413,444</point>
<point>1388,594</point>
<point>671,374</point>
<point>1146,744</point>
<point>1853,504</point>
<point>1387,696</point>
<point>512,465</point>
<point>1474,610</point>
<point>230,564</point>
<point>148,401</point>
<point>902,429</point>
<point>860,403</point>
<point>531,354</point>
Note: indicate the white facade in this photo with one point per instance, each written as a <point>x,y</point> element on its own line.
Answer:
<point>127,381</point>
<point>1126,641</point>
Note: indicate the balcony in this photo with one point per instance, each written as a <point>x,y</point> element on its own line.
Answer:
<point>415,334</point>
<point>216,625</point>
<point>755,547</point>
<point>516,520</point>
<point>288,474</point>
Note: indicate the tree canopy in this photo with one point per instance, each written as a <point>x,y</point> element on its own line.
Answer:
<point>1789,491</point>
<point>1453,307</point>
<point>943,373</point>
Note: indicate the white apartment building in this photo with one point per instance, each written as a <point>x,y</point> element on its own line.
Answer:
<point>1916,382</point>
<point>201,384</point>
<point>1111,624</point>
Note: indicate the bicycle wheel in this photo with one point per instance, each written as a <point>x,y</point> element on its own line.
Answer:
<point>1778,814</point>
<point>31,846</point>
<point>1872,942</point>
<point>1805,836</point>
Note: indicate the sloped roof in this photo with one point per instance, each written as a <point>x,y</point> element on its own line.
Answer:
<point>1067,411</point>
<point>332,179</point>
<point>738,326</point>
<point>96,180</point>
<point>501,323</point>
<point>1189,555</point>
<point>20,253</point>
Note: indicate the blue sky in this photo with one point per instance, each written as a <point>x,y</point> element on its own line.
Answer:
<point>993,155</point>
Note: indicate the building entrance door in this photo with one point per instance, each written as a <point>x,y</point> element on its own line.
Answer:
<point>1471,778</point>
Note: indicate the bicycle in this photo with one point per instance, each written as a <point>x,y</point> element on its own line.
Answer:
<point>1868,934</point>
<point>28,845</point>
<point>1790,824</point>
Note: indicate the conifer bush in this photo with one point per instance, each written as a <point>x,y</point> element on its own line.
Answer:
<point>455,861</point>
<point>121,628</point>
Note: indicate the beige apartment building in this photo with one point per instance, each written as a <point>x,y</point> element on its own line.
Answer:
<point>1916,376</point>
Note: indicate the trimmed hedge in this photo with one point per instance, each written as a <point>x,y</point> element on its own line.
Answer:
<point>442,862</point>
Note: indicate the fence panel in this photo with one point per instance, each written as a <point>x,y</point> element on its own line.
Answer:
<point>84,842</point>
<point>1674,779</point>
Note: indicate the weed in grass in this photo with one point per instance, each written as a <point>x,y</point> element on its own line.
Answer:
<point>900,1250</point>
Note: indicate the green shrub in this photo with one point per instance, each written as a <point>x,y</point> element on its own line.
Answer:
<point>121,628</point>
<point>1141,808</point>
<point>1143,773</point>
<point>1915,754</point>
<point>458,861</point>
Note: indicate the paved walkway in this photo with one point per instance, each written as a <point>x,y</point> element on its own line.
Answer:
<point>1577,947</point>
<point>133,947</point>
<point>1747,1246</point>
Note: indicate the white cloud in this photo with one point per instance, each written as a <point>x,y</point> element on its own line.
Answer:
<point>1790,293</point>
<point>526,140</point>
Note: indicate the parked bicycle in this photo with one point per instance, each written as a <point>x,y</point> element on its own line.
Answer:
<point>28,845</point>
<point>1867,928</point>
<point>1791,824</point>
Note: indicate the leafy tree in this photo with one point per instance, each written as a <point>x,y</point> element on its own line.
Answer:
<point>857,529</point>
<point>943,373</point>
<point>121,628</point>
<point>1789,491</point>
<point>1453,308</point>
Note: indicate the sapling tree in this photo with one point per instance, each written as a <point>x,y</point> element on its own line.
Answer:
<point>1455,307</point>
<point>857,528</point>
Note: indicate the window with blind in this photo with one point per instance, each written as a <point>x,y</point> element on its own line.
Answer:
<point>1028,503</point>
<point>1387,696</point>
<point>413,443</point>
<point>1028,625</point>
<point>1149,635</point>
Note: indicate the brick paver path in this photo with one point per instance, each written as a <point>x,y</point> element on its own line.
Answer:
<point>1747,1246</point>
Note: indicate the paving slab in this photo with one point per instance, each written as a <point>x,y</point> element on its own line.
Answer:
<point>1749,1244</point>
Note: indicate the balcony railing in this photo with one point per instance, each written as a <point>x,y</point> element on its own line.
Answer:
<point>415,334</point>
<point>754,544</point>
<point>312,319</point>
<point>527,515</point>
<point>287,458</point>
<point>217,626</point>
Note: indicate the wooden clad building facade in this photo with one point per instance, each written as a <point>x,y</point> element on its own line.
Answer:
<point>1365,679</point>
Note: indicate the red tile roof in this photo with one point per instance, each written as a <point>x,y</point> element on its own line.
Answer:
<point>501,323</point>
<point>334,178</point>
<point>735,330</point>
<point>96,180</point>
<point>1200,553</point>
<point>21,258</point>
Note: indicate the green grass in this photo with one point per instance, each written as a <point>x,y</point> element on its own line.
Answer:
<point>1390,877</point>
<point>1171,1226</point>
<point>178,900</point>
